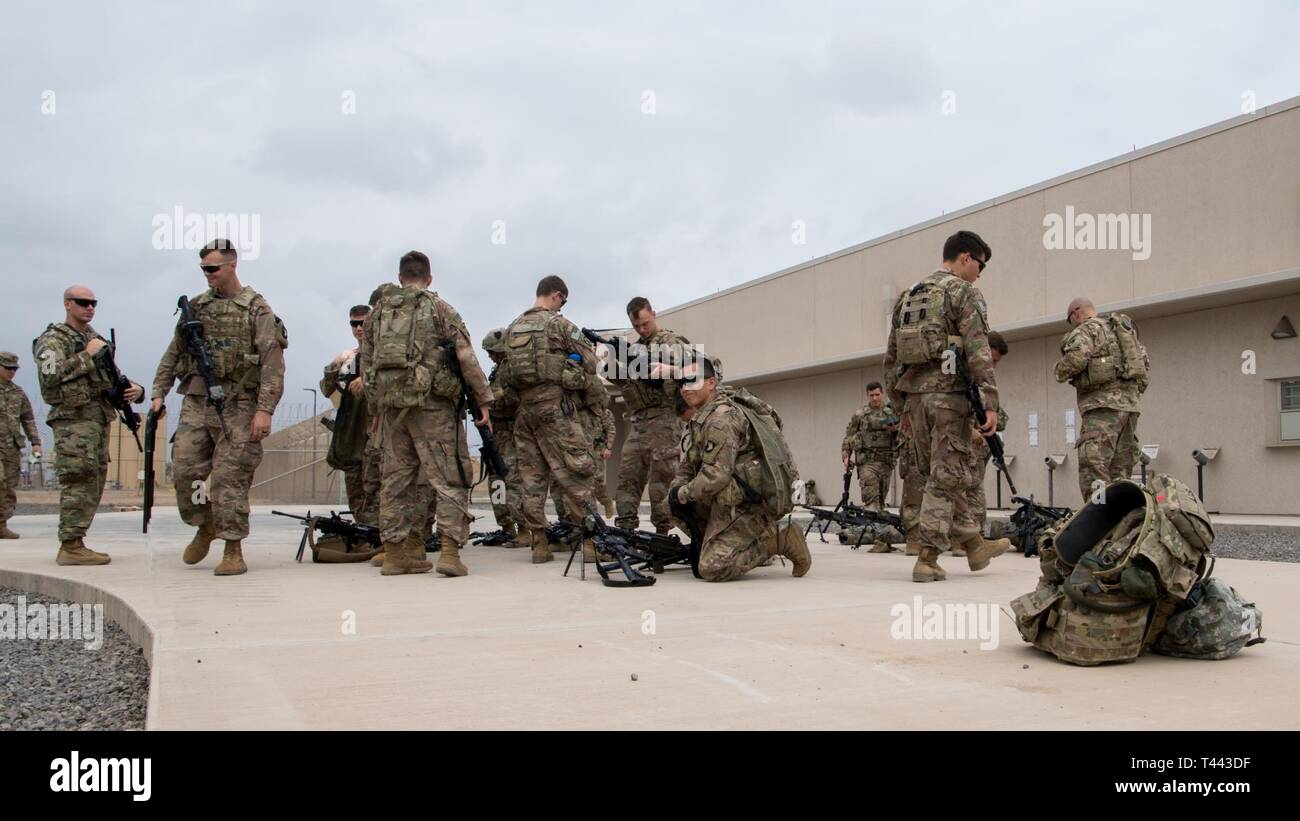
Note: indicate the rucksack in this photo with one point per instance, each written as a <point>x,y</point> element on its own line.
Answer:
<point>1214,623</point>
<point>772,474</point>
<point>405,368</point>
<point>1131,353</point>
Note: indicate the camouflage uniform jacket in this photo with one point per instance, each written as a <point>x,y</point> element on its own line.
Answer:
<point>73,382</point>
<point>1090,348</point>
<point>16,418</point>
<point>263,343</point>
<point>966,317</point>
<point>331,382</point>
<point>867,437</point>
<point>715,441</point>
<point>505,401</point>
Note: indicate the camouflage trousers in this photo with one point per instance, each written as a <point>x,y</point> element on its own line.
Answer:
<point>873,479</point>
<point>941,448</point>
<point>505,494</point>
<point>212,473</point>
<point>977,508</point>
<point>81,463</point>
<point>372,481</point>
<point>732,543</point>
<point>551,447</point>
<point>422,449</point>
<point>649,456</point>
<point>909,507</point>
<point>10,471</point>
<point>1108,448</point>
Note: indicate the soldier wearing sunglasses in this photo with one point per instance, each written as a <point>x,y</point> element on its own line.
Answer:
<point>75,378</point>
<point>214,470</point>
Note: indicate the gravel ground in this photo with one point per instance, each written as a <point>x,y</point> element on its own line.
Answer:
<point>60,685</point>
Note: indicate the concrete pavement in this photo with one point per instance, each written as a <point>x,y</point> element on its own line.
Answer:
<point>515,645</point>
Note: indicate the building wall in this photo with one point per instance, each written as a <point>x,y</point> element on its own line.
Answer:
<point>1224,204</point>
<point>1199,397</point>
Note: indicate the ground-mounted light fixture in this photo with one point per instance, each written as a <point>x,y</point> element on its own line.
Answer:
<point>1053,462</point>
<point>1148,455</point>
<point>1203,457</point>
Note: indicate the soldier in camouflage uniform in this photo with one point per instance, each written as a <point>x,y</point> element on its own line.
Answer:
<point>909,506</point>
<point>16,419</point>
<point>942,311</point>
<point>75,377</point>
<point>650,452</point>
<point>550,365</point>
<point>213,471</point>
<point>870,441</point>
<point>342,374</point>
<point>1107,365</point>
<point>980,455</point>
<point>506,496</point>
<point>409,381</point>
<point>736,534</point>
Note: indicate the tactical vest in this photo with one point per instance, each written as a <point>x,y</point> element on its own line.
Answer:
<point>921,328</point>
<point>229,334</point>
<point>505,402</point>
<point>1113,573</point>
<point>532,359</point>
<point>83,390</point>
<point>644,393</point>
<point>875,438</point>
<point>408,362</point>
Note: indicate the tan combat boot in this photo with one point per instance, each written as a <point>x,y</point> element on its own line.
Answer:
<point>880,546</point>
<point>981,551</point>
<point>403,557</point>
<point>232,561</point>
<point>541,547</point>
<point>913,544</point>
<point>927,567</point>
<point>6,533</point>
<point>75,552</point>
<point>790,543</point>
<point>377,560</point>
<point>449,563</point>
<point>958,549</point>
<point>197,549</point>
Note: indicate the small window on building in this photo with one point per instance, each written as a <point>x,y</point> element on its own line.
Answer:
<point>1291,410</point>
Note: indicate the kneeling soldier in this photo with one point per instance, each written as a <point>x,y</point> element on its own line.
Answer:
<point>711,494</point>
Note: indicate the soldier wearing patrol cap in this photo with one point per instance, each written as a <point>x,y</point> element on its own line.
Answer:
<point>16,419</point>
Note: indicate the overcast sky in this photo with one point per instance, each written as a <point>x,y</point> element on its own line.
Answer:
<point>660,149</point>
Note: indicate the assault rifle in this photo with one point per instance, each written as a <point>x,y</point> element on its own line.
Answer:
<point>489,455</point>
<point>353,534</point>
<point>116,395</point>
<point>853,516</point>
<point>150,443</point>
<point>1030,520</point>
<point>633,552</point>
<point>977,408</point>
<point>191,330</point>
<point>492,538</point>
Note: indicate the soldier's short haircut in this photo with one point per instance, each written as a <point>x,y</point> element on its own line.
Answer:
<point>997,343</point>
<point>414,266</point>
<point>552,284</point>
<point>359,310</point>
<point>637,305</point>
<point>225,246</point>
<point>966,242</point>
<point>874,386</point>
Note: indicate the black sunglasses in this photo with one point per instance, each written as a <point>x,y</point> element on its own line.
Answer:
<point>9,367</point>
<point>85,303</point>
<point>356,323</point>
<point>212,269</point>
<point>981,262</point>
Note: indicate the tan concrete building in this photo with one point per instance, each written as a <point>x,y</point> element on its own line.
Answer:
<point>1197,238</point>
